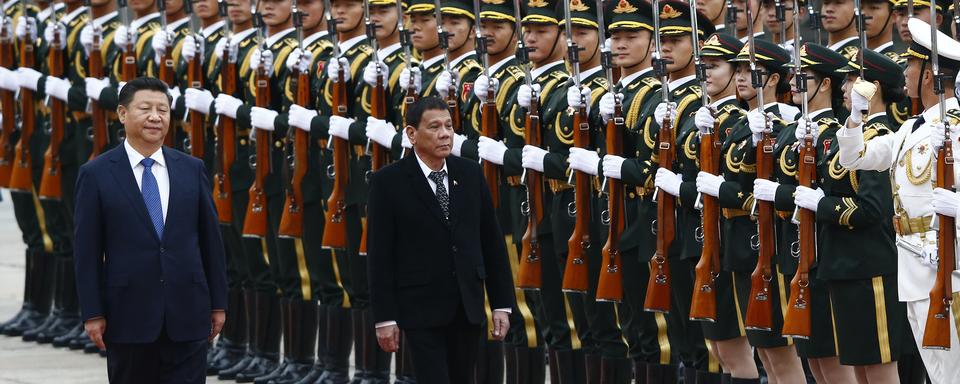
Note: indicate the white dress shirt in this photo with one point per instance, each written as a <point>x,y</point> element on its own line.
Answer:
<point>159,170</point>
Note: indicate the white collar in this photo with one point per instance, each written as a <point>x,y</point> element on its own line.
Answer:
<point>723,100</point>
<point>427,63</point>
<point>46,12</point>
<point>212,28</point>
<point>239,36</point>
<point>346,45</point>
<point>8,4</point>
<point>771,104</point>
<point>426,170</point>
<point>840,43</point>
<point>883,46</point>
<point>274,38</point>
<point>933,113</point>
<point>589,72</point>
<point>631,77</point>
<point>674,84</point>
<point>173,25</point>
<point>817,113</point>
<point>454,62</point>
<point>314,37</point>
<point>135,25</point>
<point>103,19</point>
<point>878,114</point>
<point>135,157</point>
<point>536,72</point>
<point>70,16</point>
<point>746,38</point>
<point>384,52</point>
<point>495,67</point>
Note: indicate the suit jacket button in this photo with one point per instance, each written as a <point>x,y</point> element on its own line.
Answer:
<point>163,250</point>
<point>454,249</point>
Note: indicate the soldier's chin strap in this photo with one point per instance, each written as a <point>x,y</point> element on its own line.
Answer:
<point>766,81</point>
<point>555,41</point>
<point>454,49</point>
<point>885,22</point>
<point>815,91</point>
<point>647,54</point>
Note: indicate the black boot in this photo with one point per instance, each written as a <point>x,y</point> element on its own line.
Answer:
<point>250,355</point>
<point>66,301</point>
<point>708,377</point>
<point>41,292</point>
<point>76,334</point>
<point>360,350</point>
<point>339,342</point>
<point>26,308</point>
<point>320,327</point>
<point>267,322</point>
<point>614,371</point>
<point>303,320</point>
<point>378,361</point>
<point>285,328</point>
<point>232,343</point>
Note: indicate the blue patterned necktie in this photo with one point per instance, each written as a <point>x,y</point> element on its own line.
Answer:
<point>442,197</point>
<point>151,195</point>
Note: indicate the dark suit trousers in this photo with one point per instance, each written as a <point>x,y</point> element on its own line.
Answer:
<point>447,354</point>
<point>161,362</point>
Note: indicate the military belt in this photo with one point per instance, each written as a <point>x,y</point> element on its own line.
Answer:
<point>905,225</point>
<point>729,213</point>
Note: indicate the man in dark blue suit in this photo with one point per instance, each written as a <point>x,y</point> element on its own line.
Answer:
<point>436,252</point>
<point>149,257</point>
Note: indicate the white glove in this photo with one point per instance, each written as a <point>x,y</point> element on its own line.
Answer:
<point>662,111</point>
<point>525,95</point>
<point>8,80</point>
<point>333,69</point>
<point>381,131</point>
<point>446,81</point>
<point>120,87</point>
<point>704,119</point>
<point>264,57</point>
<point>174,93</point>
<point>300,117</point>
<point>198,100</point>
<point>709,184</point>
<point>765,190</point>
<point>490,150</point>
<point>458,141</point>
<point>607,106</point>
<point>340,127</point>
<point>858,102</point>
<point>299,61</point>
<point>7,26</point>
<point>759,124</point>
<point>29,78</point>
<point>95,87</point>
<point>405,78</point>
<point>801,131</point>
<point>937,134</point>
<point>945,202</point>
<point>221,45</point>
<point>574,96</point>
<point>25,25</point>
<point>262,118</point>
<point>86,38</point>
<point>668,181</point>
<point>612,165</point>
<point>189,50</point>
<point>405,141</point>
<point>808,198</point>
<point>58,88</point>
<point>482,84</point>
<point>61,31</point>
<point>532,158</point>
<point>583,160</point>
<point>159,42</point>
<point>370,73</point>
<point>122,37</point>
<point>227,105</point>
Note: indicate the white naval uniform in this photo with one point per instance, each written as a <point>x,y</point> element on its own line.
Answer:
<point>916,260</point>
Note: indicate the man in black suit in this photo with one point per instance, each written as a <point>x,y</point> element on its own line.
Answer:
<point>149,257</point>
<point>435,251</point>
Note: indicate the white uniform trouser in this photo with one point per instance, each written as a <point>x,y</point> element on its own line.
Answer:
<point>943,367</point>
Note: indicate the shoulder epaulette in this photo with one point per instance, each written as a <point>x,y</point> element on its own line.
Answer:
<point>514,71</point>
<point>850,51</point>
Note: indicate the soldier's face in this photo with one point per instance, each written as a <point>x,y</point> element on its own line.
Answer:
<point>499,34</point>
<point>677,49</point>
<point>879,17</point>
<point>846,87</point>
<point>275,12</point>
<point>385,17</point>
<point>433,138</point>
<point>918,13</point>
<point>174,6</point>
<point>541,40</point>
<point>769,12</point>
<point>742,21</point>
<point>424,28</point>
<point>147,118</point>
<point>719,75</point>
<point>838,15</point>
<point>348,13</point>
<point>712,9</point>
<point>238,11</point>
<point>458,30</point>
<point>812,83</point>
<point>312,12</point>
<point>205,9</point>
<point>99,3</point>
<point>142,6</point>
<point>630,47</point>
<point>589,40</point>
<point>912,74</point>
<point>742,79</point>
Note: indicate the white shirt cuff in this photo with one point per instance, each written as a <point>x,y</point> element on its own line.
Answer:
<point>385,324</point>
<point>505,310</point>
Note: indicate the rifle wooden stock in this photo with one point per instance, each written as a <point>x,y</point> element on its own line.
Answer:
<point>760,307</point>
<point>488,127</point>
<point>703,305</point>
<point>21,178</point>
<point>408,101</point>
<point>255,221</point>
<point>454,106</point>
<point>796,323</point>
<point>378,155</point>
<point>610,282</point>
<point>9,106</point>
<point>226,141</point>
<point>575,273</point>
<point>291,222</point>
<point>198,141</point>
<point>936,335</point>
<point>98,116</point>
<point>335,225</point>
<point>128,67</point>
<point>166,75</point>
<point>50,182</point>
<point>530,273</point>
<point>658,287</point>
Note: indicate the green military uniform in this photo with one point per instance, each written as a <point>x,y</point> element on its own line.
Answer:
<point>180,29</point>
<point>145,27</point>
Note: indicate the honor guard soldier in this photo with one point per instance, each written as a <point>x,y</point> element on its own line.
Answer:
<point>743,22</point>
<point>910,154</point>
<point>200,44</point>
<point>780,23</point>
<point>719,13</point>
<point>839,19</point>
<point>167,45</point>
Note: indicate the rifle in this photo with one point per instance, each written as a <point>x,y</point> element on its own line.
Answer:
<point>488,111</point>
<point>529,275</point>
<point>226,135</point>
<point>816,24</point>
<point>166,71</point>
<point>9,106</point>
<point>378,109</point>
<point>916,107</point>
<point>703,305</point>
<point>796,322</point>
<point>21,177</point>
<point>50,182</point>
<point>452,104</point>
<point>335,226</point>
<point>128,69</point>
<point>610,283</point>
<point>575,273</point>
<point>658,286</point>
<point>295,168</point>
<point>760,308</point>
<point>730,22</point>
<point>196,139</point>
<point>98,131</point>
<point>406,43</point>
<point>780,12</point>
<point>255,222</point>
<point>936,335</point>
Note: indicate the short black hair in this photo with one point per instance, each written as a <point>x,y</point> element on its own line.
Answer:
<point>141,84</point>
<point>415,113</point>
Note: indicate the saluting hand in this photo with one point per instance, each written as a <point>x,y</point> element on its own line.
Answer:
<point>95,329</point>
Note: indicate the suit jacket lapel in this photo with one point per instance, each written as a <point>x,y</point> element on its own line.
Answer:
<point>127,183</point>
<point>422,188</point>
